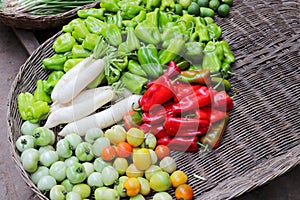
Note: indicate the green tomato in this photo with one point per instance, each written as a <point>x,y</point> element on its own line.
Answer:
<point>119,186</point>
<point>120,164</point>
<point>83,189</point>
<point>46,148</point>
<point>111,194</point>
<point>74,140</point>
<point>64,149</point>
<point>58,192</point>
<point>99,193</point>
<point>137,197</point>
<point>92,134</point>
<point>145,186</point>
<point>39,173</point>
<point>30,158</point>
<point>84,151</point>
<point>153,155</point>
<point>46,183</point>
<point>99,144</point>
<point>160,181</point>
<point>73,196</point>
<point>109,175</point>
<point>58,170</point>
<point>68,185</point>
<point>89,168</point>
<point>150,141</point>
<point>76,173</point>
<point>25,142</point>
<point>116,134</point>
<point>152,170</point>
<point>28,127</point>
<point>99,164</point>
<point>95,179</point>
<point>48,158</point>
<point>43,136</point>
<point>162,196</point>
<point>168,164</point>
<point>70,161</point>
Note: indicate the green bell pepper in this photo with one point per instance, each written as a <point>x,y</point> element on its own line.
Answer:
<point>113,74</point>
<point>174,49</point>
<point>94,25</point>
<point>130,10</point>
<point>194,52</point>
<point>132,41</point>
<point>133,82</point>
<point>94,12</point>
<point>40,93</point>
<point>139,18</point>
<point>164,19</point>
<point>168,5</point>
<point>148,32</point>
<point>151,4</point>
<point>79,52</point>
<point>122,63</point>
<point>64,43</point>
<point>55,62</point>
<point>52,79</point>
<point>110,5</point>
<point>148,58</point>
<point>115,19</point>
<point>214,31</point>
<point>174,31</point>
<point>188,20</point>
<point>80,31</point>
<point>135,68</point>
<point>96,82</point>
<point>70,63</point>
<point>68,28</point>
<point>90,41</point>
<point>112,34</point>
<point>76,173</point>
<point>32,110</point>
<point>211,59</point>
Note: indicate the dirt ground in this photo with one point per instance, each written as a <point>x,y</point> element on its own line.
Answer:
<point>12,186</point>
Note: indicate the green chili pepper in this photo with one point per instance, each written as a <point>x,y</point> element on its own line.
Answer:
<point>70,63</point>
<point>132,41</point>
<point>94,25</point>
<point>52,79</point>
<point>113,75</point>
<point>79,52</point>
<point>164,19</point>
<point>80,31</point>
<point>173,50</point>
<point>211,59</point>
<point>90,41</point>
<point>32,110</point>
<point>168,5</point>
<point>225,70</point>
<point>201,31</point>
<point>173,32</point>
<point>151,4</point>
<point>148,58</point>
<point>94,12</point>
<point>130,10</point>
<point>113,35</point>
<point>188,20</point>
<point>228,56</point>
<point>133,82</point>
<point>64,43</point>
<point>194,52</point>
<point>219,50</point>
<point>40,92</point>
<point>222,83</point>
<point>55,62</point>
<point>110,5</point>
<point>183,64</point>
<point>135,68</point>
<point>214,31</point>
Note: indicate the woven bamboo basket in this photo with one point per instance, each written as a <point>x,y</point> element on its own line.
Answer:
<point>40,22</point>
<point>262,140</point>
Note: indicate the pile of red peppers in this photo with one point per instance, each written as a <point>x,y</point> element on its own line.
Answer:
<point>183,110</point>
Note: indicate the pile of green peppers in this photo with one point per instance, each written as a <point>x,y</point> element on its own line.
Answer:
<point>147,34</point>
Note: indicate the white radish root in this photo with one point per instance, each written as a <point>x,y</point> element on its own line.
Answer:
<point>102,119</point>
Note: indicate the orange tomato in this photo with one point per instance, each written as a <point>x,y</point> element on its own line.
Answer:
<point>108,153</point>
<point>178,177</point>
<point>132,186</point>
<point>184,192</point>
<point>124,149</point>
<point>162,151</point>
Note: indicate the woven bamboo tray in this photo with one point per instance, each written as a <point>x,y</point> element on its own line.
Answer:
<point>40,22</point>
<point>262,140</point>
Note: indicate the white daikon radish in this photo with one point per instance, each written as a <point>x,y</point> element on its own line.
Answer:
<point>102,119</point>
<point>80,109</point>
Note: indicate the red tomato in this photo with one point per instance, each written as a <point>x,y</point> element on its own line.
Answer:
<point>124,149</point>
<point>184,192</point>
<point>108,153</point>
<point>162,151</point>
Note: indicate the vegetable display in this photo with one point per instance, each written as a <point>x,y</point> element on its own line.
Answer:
<point>129,83</point>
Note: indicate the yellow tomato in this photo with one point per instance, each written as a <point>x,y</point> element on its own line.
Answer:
<point>142,159</point>
<point>178,177</point>
<point>132,186</point>
<point>135,137</point>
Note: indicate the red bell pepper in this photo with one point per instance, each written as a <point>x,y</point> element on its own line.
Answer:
<point>222,101</point>
<point>176,126</point>
<point>200,98</point>
<point>183,89</point>
<point>185,144</point>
